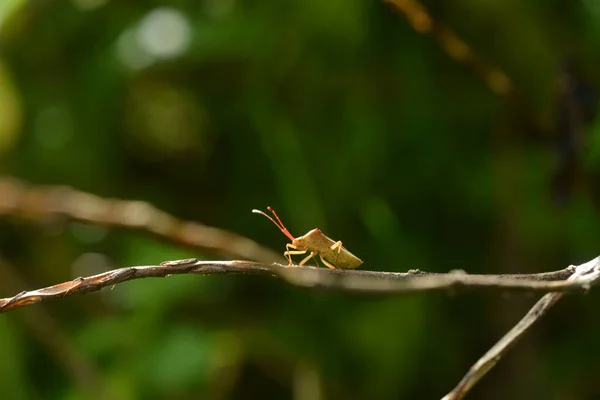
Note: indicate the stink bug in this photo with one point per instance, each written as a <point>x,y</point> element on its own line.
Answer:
<point>331,253</point>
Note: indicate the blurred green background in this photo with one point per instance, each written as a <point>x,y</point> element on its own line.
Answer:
<point>339,114</point>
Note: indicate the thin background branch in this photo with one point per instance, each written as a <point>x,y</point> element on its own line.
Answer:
<point>42,202</point>
<point>421,21</point>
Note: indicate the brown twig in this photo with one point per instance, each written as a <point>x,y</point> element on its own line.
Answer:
<point>352,281</point>
<point>40,202</point>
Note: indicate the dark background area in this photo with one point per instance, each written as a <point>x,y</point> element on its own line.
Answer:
<point>343,115</point>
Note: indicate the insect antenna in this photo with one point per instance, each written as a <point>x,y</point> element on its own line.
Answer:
<point>280,225</point>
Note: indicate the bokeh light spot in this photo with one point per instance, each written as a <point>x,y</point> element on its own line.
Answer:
<point>164,33</point>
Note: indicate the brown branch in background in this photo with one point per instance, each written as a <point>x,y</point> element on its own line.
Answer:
<point>418,17</point>
<point>39,202</point>
<point>351,281</point>
<point>585,276</point>
<point>51,335</point>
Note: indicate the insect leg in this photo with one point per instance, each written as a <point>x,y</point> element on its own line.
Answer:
<point>338,246</point>
<point>312,254</point>
<point>326,263</point>
<point>294,252</point>
<point>288,253</point>
<point>316,262</point>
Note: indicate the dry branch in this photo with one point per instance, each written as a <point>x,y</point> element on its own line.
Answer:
<point>352,281</point>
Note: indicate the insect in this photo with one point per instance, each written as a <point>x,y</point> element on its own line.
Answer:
<point>331,253</point>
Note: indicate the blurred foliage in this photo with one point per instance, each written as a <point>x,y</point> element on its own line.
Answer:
<point>339,115</point>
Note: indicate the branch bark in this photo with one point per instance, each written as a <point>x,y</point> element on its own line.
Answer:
<point>350,281</point>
